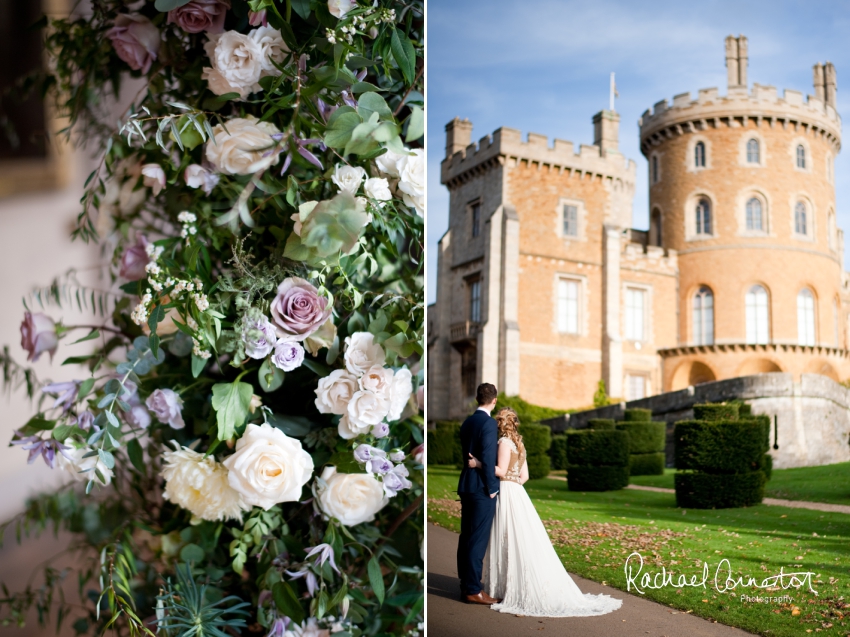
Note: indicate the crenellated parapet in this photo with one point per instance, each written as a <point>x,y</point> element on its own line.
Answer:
<point>811,116</point>
<point>649,258</point>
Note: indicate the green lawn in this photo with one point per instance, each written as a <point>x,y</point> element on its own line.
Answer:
<point>829,483</point>
<point>595,532</point>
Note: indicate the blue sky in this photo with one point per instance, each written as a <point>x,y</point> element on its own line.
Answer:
<point>543,66</point>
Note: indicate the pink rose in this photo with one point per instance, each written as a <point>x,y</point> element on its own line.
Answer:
<point>200,15</point>
<point>135,40</point>
<point>166,405</point>
<point>38,335</point>
<point>258,18</point>
<point>298,310</point>
<point>134,260</point>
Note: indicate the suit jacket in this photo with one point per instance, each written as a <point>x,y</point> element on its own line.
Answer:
<point>479,436</point>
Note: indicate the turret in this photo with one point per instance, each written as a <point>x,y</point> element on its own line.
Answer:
<point>458,135</point>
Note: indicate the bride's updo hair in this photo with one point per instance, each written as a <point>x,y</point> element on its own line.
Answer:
<point>508,423</point>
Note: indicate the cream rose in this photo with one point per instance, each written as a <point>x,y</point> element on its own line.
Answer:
<point>272,48</point>
<point>400,391</point>
<point>378,188</point>
<point>362,353</point>
<point>200,485</point>
<point>388,163</point>
<point>411,174</point>
<point>348,178</point>
<point>348,430</point>
<point>351,498</point>
<point>237,64</point>
<point>244,148</point>
<point>377,379</point>
<point>334,392</point>
<point>366,409</point>
<point>268,467</point>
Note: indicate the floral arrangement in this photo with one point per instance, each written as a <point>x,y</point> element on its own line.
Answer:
<point>247,427</point>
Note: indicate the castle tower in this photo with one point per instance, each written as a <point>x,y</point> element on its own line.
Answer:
<point>742,187</point>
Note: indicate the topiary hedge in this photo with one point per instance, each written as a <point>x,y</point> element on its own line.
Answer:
<point>597,460</point>
<point>558,451</point>
<point>647,439</point>
<point>647,464</point>
<point>721,491</point>
<point>601,423</point>
<point>716,411</point>
<point>597,478</point>
<point>444,443</point>
<point>537,440</point>
<point>637,414</point>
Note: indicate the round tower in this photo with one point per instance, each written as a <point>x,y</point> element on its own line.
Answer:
<point>742,187</point>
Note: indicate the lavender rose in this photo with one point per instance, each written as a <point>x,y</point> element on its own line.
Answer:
<point>363,453</point>
<point>396,480</point>
<point>288,355</point>
<point>298,310</point>
<point>38,335</point>
<point>134,260</point>
<point>259,336</point>
<point>166,405</point>
<point>200,15</point>
<point>135,40</point>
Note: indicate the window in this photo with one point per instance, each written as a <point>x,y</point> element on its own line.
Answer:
<point>469,370</point>
<point>635,386</point>
<point>754,217</point>
<point>703,216</point>
<point>806,317</point>
<point>704,317</point>
<point>475,301</point>
<point>476,218</point>
<point>758,321</point>
<point>655,169</point>
<point>699,155</point>
<point>570,220</point>
<point>801,157</point>
<point>568,306</point>
<point>635,314</point>
<point>655,227</point>
<point>800,226</point>
<point>753,155</point>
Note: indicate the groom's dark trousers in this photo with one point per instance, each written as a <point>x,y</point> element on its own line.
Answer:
<point>478,436</point>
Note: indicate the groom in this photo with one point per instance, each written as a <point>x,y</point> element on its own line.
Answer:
<point>477,489</point>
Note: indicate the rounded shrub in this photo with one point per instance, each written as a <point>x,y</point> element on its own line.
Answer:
<point>724,446</point>
<point>597,460</point>
<point>716,411</point>
<point>646,464</point>
<point>637,414</point>
<point>645,437</point>
<point>601,423</point>
<point>597,478</point>
<point>719,491</point>
<point>558,451</point>
<point>537,440</point>
<point>444,443</point>
<point>538,466</point>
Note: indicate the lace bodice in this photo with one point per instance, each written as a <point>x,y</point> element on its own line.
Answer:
<point>517,460</point>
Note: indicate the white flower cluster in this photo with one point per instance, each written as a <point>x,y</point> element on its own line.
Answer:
<point>405,176</point>
<point>188,220</point>
<point>366,393</point>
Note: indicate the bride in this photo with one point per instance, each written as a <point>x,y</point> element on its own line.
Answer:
<point>521,567</point>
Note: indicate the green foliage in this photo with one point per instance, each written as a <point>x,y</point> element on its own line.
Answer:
<point>600,397</point>
<point>231,402</point>
<point>598,447</point>
<point>723,446</point>
<point>601,423</point>
<point>645,436</point>
<point>444,443</point>
<point>719,491</point>
<point>539,466</point>
<point>537,439</point>
<point>646,464</point>
<point>716,411</point>
<point>637,414</point>
<point>558,451</point>
<point>526,412</point>
<point>602,478</point>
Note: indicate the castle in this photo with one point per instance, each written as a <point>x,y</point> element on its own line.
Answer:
<point>544,287</point>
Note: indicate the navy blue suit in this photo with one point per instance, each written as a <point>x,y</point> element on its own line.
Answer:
<point>479,437</point>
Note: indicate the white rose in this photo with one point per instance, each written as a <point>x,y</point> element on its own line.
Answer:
<point>237,64</point>
<point>334,392</point>
<point>388,163</point>
<point>417,203</point>
<point>351,498</point>
<point>200,485</point>
<point>362,353</point>
<point>349,430</point>
<point>339,8</point>
<point>244,148</point>
<point>366,409</point>
<point>72,461</point>
<point>273,49</point>
<point>348,178</point>
<point>378,380</point>
<point>378,188</point>
<point>196,176</point>
<point>268,467</point>
<point>153,176</point>
<point>411,173</point>
<point>400,391</point>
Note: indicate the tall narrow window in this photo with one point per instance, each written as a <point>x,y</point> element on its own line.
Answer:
<point>801,156</point>
<point>476,218</point>
<point>758,320</point>
<point>753,155</point>
<point>635,314</point>
<point>835,319</point>
<point>800,225</point>
<point>699,155</point>
<point>806,317</point>
<point>570,220</point>
<point>568,306</point>
<point>635,386</point>
<point>469,370</point>
<point>655,227</point>
<point>655,169</point>
<point>754,216</point>
<point>704,317</point>
<point>703,216</point>
<point>475,301</point>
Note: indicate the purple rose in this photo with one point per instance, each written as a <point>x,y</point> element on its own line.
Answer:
<point>38,335</point>
<point>381,466</point>
<point>397,456</point>
<point>138,416</point>
<point>381,430</point>
<point>298,310</point>
<point>134,260</point>
<point>396,480</point>
<point>135,40</point>
<point>288,355</point>
<point>165,405</point>
<point>200,15</point>
<point>363,453</point>
<point>259,336</point>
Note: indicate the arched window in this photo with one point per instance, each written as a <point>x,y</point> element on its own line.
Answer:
<point>806,317</point>
<point>699,155</point>
<point>704,317</point>
<point>801,156</point>
<point>703,216</point>
<point>800,222</point>
<point>753,156</point>
<point>655,169</point>
<point>754,216</point>
<point>655,235</point>
<point>758,320</point>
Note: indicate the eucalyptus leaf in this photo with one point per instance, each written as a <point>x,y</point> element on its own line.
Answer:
<point>270,377</point>
<point>415,124</point>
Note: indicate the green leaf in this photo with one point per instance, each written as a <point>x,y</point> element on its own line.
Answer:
<point>403,53</point>
<point>168,5</point>
<point>301,7</point>
<point>334,225</point>
<point>231,402</point>
<point>373,103</point>
<point>270,377</point>
<point>415,124</point>
<point>91,335</point>
<point>296,250</point>
<point>287,603</point>
<point>192,553</point>
<point>363,87</point>
<point>134,450</point>
<point>340,126</point>
<point>62,431</point>
<point>314,366</point>
<point>77,360</point>
<point>198,365</point>
<point>85,388</point>
<point>295,426</point>
<point>376,579</point>
<point>345,463</point>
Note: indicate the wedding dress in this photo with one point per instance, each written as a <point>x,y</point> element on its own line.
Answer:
<point>521,567</point>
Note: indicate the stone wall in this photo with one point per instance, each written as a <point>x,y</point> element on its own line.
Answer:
<point>811,416</point>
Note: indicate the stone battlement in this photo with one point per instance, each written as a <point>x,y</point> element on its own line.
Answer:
<point>711,110</point>
<point>649,257</point>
